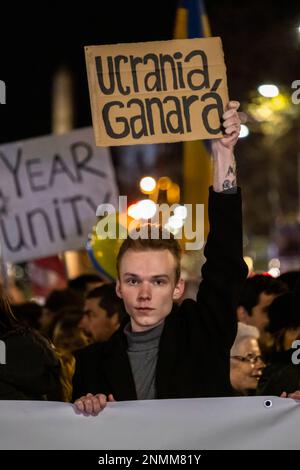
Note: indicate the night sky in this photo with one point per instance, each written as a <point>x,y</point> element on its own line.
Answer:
<point>259,39</point>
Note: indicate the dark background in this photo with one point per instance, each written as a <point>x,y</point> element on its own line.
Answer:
<point>261,44</point>
<point>259,39</point>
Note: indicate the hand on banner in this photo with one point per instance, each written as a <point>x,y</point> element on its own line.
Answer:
<point>92,404</point>
<point>295,395</point>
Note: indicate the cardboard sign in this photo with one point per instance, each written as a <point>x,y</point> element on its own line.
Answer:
<point>50,190</point>
<point>153,92</point>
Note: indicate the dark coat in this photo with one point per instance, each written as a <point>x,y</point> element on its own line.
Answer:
<point>194,351</point>
<point>281,375</point>
<point>31,370</point>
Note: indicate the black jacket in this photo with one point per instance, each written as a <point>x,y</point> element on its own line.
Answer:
<point>31,370</point>
<point>281,375</point>
<point>193,359</point>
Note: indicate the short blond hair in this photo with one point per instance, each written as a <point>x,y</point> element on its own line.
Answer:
<point>165,241</point>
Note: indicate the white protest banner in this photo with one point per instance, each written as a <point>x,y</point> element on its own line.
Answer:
<point>49,193</point>
<point>152,92</point>
<point>201,423</point>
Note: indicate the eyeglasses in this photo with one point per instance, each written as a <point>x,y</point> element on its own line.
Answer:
<point>252,358</point>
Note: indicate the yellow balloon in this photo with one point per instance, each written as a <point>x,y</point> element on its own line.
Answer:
<point>104,243</point>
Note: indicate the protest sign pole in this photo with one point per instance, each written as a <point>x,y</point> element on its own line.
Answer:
<point>62,122</point>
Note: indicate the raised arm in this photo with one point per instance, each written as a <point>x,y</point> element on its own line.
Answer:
<point>222,149</point>
<point>224,271</point>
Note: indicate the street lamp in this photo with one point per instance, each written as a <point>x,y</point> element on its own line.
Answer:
<point>268,90</point>
<point>244,131</point>
<point>147,184</point>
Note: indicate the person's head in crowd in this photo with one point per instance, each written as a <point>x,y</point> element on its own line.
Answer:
<point>66,332</point>
<point>32,369</point>
<point>102,312</point>
<point>28,313</point>
<point>85,283</point>
<point>57,300</point>
<point>149,277</point>
<point>284,320</point>
<point>246,363</point>
<point>258,293</point>
<point>282,374</point>
<point>290,278</point>
<point>75,315</point>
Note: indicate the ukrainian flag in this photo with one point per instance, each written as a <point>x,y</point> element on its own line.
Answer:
<point>192,22</point>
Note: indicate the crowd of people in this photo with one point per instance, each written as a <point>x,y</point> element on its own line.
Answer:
<point>136,339</point>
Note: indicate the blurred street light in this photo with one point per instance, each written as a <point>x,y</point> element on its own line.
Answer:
<point>180,212</point>
<point>268,91</point>
<point>144,209</point>
<point>272,114</point>
<point>133,211</point>
<point>274,272</point>
<point>164,183</point>
<point>244,132</point>
<point>147,184</point>
<point>174,224</point>
<point>249,261</point>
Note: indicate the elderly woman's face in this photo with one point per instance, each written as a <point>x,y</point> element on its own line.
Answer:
<point>245,365</point>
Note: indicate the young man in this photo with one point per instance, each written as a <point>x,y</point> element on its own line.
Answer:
<point>167,351</point>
